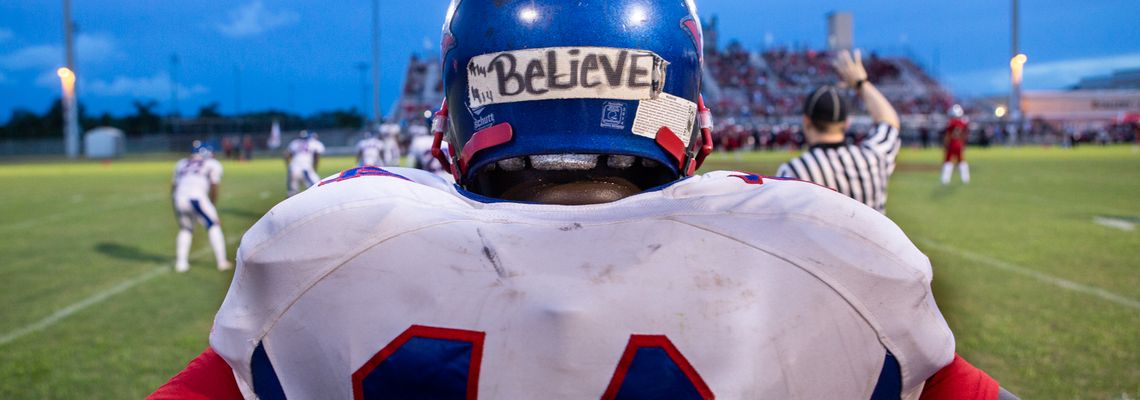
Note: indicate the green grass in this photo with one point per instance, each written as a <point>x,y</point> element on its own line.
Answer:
<point>72,230</point>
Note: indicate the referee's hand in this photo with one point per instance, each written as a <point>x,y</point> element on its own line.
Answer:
<point>850,68</point>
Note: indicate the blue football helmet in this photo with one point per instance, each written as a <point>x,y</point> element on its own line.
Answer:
<point>609,87</point>
<point>201,149</point>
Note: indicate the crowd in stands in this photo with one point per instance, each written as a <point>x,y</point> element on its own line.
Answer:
<point>423,90</point>
<point>757,96</point>
<point>756,99</point>
<point>774,82</point>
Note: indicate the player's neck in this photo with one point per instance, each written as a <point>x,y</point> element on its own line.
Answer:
<point>574,193</point>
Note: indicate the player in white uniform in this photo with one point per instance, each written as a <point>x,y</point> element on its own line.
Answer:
<point>194,190</point>
<point>580,258</point>
<point>389,132</point>
<point>369,151</point>
<point>301,160</point>
<point>420,153</point>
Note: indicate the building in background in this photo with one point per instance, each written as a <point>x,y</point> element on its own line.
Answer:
<point>840,31</point>
<point>1121,79</point>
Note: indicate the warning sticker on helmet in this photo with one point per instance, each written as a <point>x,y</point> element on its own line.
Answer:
<point>564,73</point>
<point>675,113</point>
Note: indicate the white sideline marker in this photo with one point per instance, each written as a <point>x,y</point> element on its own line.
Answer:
<point>70,310</point>
<point>1059,282</point>
<point>1115,223</point>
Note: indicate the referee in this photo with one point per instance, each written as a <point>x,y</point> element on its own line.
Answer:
<point>862,171</point>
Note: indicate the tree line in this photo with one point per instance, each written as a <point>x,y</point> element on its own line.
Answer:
<point>145,119</point>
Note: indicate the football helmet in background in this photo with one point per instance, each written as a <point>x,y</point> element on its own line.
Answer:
<point>539,88</point>
<point>956,111</point>
<point>201,149</point>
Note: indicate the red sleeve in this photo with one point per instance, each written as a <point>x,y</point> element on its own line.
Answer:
<point>206,377</point>
<point>960,381</point>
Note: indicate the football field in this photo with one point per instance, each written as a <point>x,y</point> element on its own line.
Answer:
<point>1036,267</point>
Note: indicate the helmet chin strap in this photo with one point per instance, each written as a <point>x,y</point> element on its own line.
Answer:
<point>705,121</point>
<point>439,128</point>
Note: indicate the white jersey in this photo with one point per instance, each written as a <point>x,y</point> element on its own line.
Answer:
<point>724,284</point>
<point>420,153</point>
<point>303,151</point>
<point>419,150</point>
<point>370,150</point>
<point>391,154</point>
<point>193,177</point>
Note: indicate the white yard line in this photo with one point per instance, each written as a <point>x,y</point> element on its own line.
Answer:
<point>1043,277</point>
<point>98,297</point>
<point>1115,223</point>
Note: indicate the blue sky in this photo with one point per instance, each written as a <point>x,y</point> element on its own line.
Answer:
<point>301,55</point>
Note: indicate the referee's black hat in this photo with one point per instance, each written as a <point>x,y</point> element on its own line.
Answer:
<point>825,105</point>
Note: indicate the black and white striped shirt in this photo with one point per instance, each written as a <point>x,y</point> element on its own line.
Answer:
<point>860,172</point>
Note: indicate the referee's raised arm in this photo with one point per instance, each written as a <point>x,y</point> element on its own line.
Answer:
<point>852,73</point>
<point>884,136</point>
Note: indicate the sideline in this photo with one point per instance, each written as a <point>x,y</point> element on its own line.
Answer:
<point>96,298</point>
<point>1115,223</point>
<point>1043,277</point>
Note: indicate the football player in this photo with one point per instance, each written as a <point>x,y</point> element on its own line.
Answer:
<point>579,256</point>
<point>301,160</point>
<point>369,150</point>
<point>954,143</point>
<point>194,191</point>
<point>389,136</point>
<point>420,151</point>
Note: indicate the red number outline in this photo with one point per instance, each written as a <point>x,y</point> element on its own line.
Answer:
<point>427,332</point>
<point>661,341</point>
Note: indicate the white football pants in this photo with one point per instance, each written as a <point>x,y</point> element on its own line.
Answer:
<point>187,210</point>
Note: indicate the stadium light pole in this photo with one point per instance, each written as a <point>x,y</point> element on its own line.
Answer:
<point>376,61</point>
<point>67,79</point>
<point>362,67</point>
<point>1016,62</point>
<point>174,61</point>
<point>70,114</point>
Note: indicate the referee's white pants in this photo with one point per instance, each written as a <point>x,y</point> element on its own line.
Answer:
<point>300,178</point>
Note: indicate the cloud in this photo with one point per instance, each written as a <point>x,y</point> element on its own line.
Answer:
<point>40,56</point>
<point>47,79</point>
<point>1069,72</point>
<point>253,19</point>
<point>157,86</point>
<point>6,35</point>
<point>89,48</point>
<point>1043,75</point>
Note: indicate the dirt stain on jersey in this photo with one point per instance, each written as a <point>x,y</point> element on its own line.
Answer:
<point>492,256</point>
<point>568,228</point>
<point>605,276</point>
<point>711,280</point>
